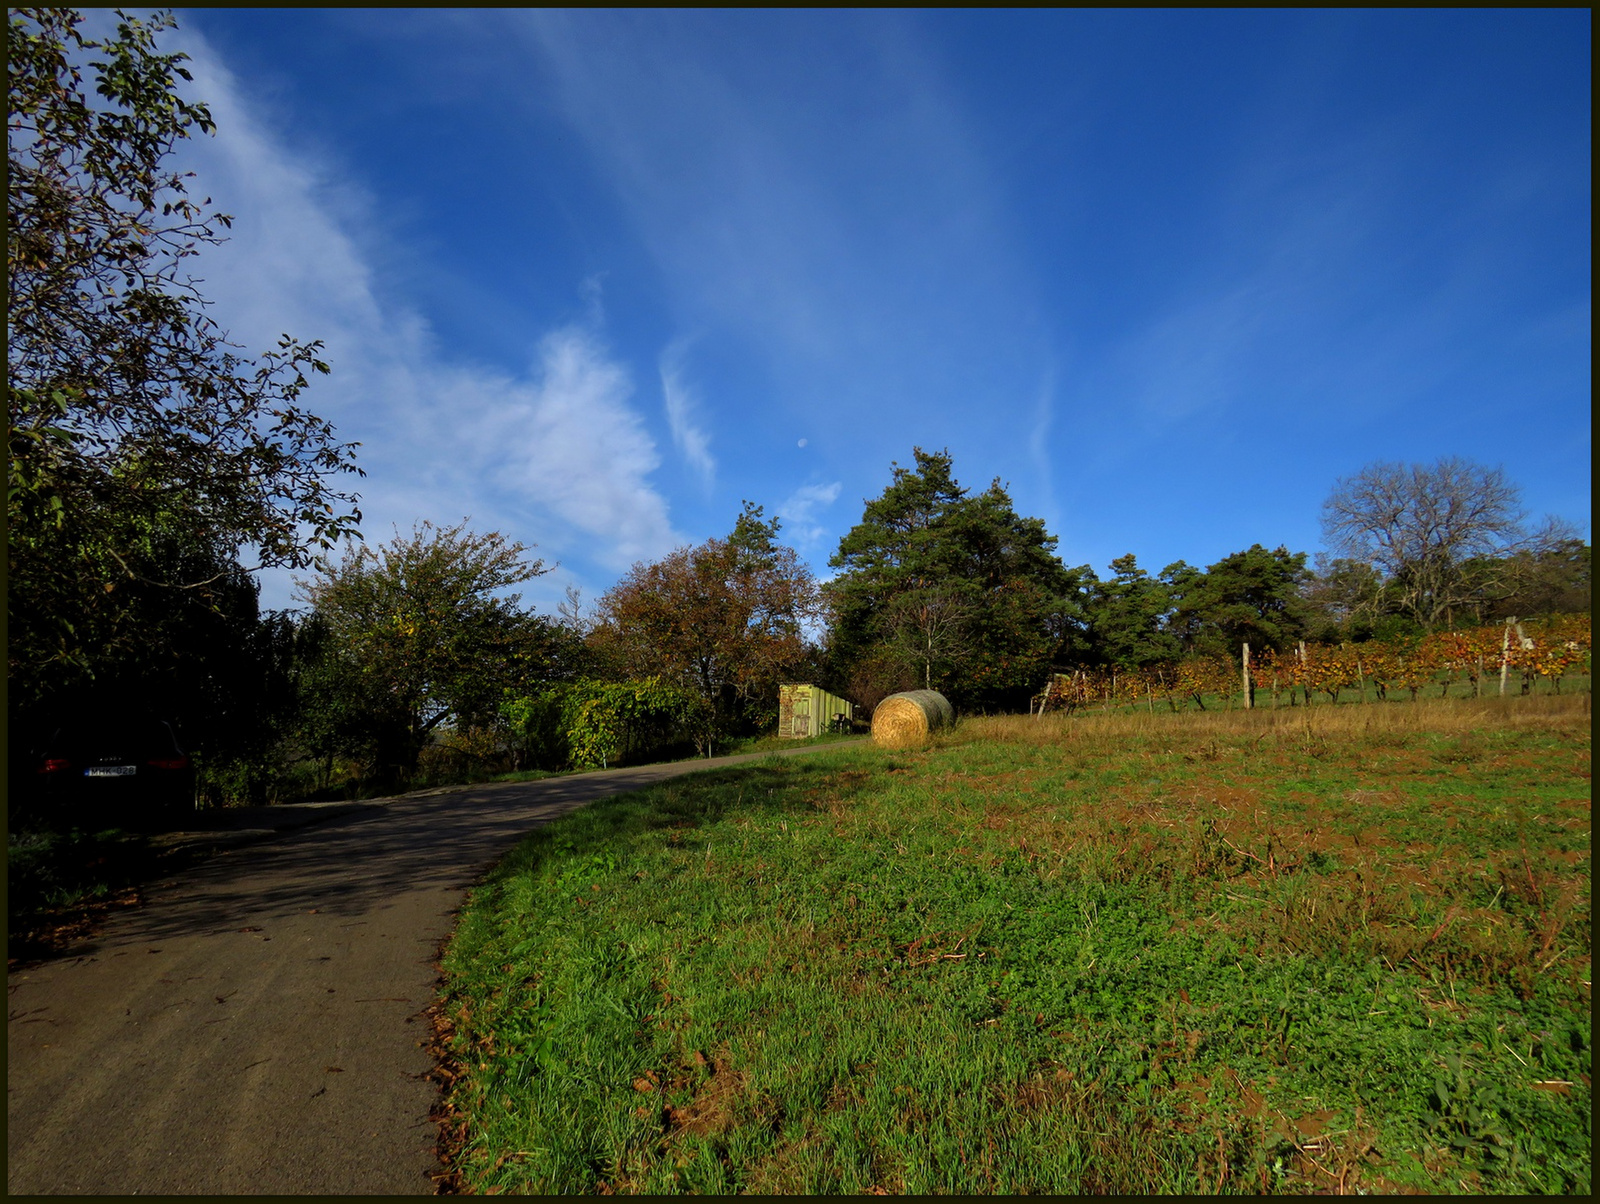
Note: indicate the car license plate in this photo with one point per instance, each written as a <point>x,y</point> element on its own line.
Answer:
<point>110,771</point>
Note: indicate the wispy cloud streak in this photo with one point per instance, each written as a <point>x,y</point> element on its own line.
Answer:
<point>682,408</point>
<point>839,224</point>
<point>557,456</point>
<point>569,441</point>
<point>799,513</point>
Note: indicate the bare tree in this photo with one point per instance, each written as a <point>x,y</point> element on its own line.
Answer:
<point>931,625</point>
<point>1420,525</point>
<point>571,613</point>
<point>1346,591</point>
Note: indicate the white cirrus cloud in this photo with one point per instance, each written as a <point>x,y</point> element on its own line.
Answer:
<point>556,456</point>
<point>683,407</point>
<point>838,218</point>
<point>799,511</point>
<point>569,442</point>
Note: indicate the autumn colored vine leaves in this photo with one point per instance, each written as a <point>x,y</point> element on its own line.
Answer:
<point>1551,649</point>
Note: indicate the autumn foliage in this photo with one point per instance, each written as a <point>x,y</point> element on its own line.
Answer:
<point>1551,649</point>
<point>724,621</point>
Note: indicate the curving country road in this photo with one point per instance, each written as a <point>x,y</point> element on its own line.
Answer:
<point>258,1025</point>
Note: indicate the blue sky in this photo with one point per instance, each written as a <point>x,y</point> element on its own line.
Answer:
<point>592,278</point>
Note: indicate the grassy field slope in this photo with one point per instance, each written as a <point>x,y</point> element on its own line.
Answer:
<point>1295,950</point>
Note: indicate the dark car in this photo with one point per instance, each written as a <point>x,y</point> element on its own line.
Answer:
<point>119,773</point>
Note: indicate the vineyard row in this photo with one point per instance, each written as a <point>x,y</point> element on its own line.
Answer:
<point>1487,658</point>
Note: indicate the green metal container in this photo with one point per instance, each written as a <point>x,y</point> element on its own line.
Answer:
<point>807,710</point>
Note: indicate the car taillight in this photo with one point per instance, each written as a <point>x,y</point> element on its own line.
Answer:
<point>55,765</point>
<point>169,763</point>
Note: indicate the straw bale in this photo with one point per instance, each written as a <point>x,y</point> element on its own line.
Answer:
<point>904,720</point>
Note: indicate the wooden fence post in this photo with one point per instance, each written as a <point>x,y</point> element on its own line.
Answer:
<point>1505,655</point>
<point>1247,700</point>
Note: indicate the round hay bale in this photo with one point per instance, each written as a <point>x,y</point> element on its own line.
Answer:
<point>904,720</point>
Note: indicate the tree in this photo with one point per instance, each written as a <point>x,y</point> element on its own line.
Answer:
<point>1348,596</point>
<point>1420,525</point>
<point>1253,597</point>
<point>421,633</point>
<point>893,551</point>
<point>1129,613</point>
<point>932,625</point>
<point>725,620</point>
<point>1552,580</point>
<point>133,422</point>
<point>964,592</point>
<point>204,659</point>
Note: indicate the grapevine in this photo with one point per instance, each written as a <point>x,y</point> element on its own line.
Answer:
<point>1552,648</point>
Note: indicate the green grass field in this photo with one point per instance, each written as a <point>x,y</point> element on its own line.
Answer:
<point>1337,949</point>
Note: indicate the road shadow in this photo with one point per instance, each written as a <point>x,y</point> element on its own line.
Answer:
<point>351,866</point>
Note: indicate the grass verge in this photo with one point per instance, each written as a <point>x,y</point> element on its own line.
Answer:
<point>775,743</point>
<point>1335,949</point>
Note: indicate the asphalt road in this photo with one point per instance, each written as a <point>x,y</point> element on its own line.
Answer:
<point>258,1025</point>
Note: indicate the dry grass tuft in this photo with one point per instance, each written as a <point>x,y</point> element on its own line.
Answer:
<point>714,1109</point>
<point>1342,724</point>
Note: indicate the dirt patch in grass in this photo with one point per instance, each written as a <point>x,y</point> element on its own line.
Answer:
<point>718,1089</point>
